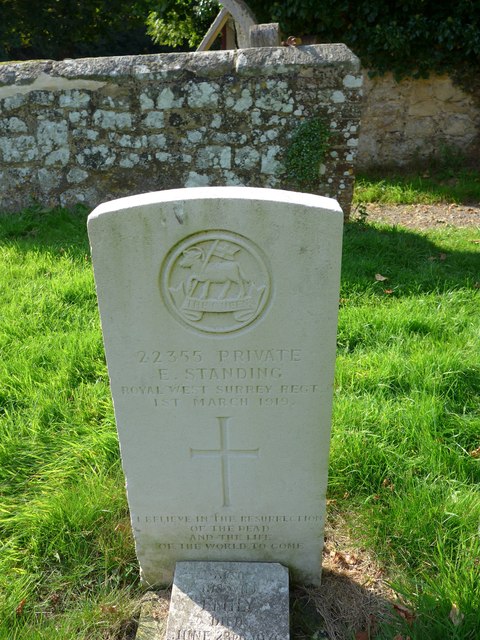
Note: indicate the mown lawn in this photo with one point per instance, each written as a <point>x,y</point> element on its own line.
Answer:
<point>405,460</point>
<point>441,181</point>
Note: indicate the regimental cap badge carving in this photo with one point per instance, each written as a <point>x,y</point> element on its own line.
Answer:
<point>216,282</point>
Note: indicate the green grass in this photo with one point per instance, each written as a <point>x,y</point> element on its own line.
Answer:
<point>407,416</point>
<point>439,183</point>
<point>406,421</point>
<point>66,549</point>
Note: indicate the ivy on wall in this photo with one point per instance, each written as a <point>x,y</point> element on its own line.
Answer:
<point>304,155</point>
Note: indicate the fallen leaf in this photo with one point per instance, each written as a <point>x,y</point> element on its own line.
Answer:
<point>380,278</point>
<point>341,560</point>
<point>476,285</point>
<point>442,256</point>
<point>19,609</point>
<point>432,258</point>
<point>475,241</point>
<point>387,484</point>
<point>455,615</point>
<point>362,635</point>
<point>351,559</point>
<point>338,558</point>
<point>108,608</point>
<point>122,527</point>
<point>405,613</point>
<point>400,637</point>
<point>388,291</point>
<point>475,453</point>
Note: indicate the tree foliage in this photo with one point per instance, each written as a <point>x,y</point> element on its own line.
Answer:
<point>176,22</point>
<point>404,36</point>
<point>72,28</point>
<point>408,37</point>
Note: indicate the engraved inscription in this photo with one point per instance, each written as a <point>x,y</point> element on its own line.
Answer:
<point>216,282</point>
<point>222,634</point>
<point>224,453</point>
<point>257,378</point>
<point>227,532</point>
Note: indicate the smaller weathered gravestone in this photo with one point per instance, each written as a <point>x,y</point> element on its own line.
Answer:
<point>229,601</point>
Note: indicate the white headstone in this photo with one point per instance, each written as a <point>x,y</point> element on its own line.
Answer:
<point>219,311</point>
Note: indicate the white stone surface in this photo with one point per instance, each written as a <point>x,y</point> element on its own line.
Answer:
<point>219,310</point>
<point>229,601</point>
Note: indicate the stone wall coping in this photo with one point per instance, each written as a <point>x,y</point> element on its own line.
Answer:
<point>265,61</point>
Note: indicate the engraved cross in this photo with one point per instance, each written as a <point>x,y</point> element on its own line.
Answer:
<point>224,453</point>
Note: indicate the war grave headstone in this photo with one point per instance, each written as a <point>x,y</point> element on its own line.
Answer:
<point>219,311</point>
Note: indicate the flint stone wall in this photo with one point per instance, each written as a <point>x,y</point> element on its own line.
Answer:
<point>90,130</point>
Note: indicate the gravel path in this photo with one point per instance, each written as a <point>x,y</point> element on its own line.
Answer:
<point>423,216</point>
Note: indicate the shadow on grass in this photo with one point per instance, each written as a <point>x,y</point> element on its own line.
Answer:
<point>39,229</point>
<point>336,610</point>
<point>411,262</point>
<point>340,609</point>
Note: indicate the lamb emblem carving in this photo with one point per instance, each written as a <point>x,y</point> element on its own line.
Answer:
<point>227,272</point>
<point>217,282</point>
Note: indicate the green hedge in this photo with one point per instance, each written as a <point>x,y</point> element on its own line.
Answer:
<point>60,29</point>
<point>408,37</point>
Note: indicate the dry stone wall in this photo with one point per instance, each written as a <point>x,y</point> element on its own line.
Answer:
<point>95,129</point>
<point>415,119</point>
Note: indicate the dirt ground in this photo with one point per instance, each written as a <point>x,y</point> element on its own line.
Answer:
<point>351,602</point>
<point>422,216</point>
